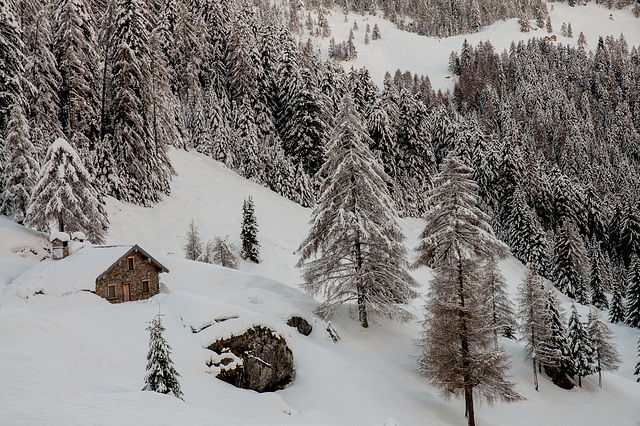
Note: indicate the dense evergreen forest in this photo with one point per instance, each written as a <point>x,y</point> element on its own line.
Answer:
<point>551,132</point>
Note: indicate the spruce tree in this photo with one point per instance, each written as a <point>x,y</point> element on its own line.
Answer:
<point>502,308</point>
<point>571,263</point>
<point>605,353</point>
<point>76,53</point>
<point>193,247</point>
<point>249,233</point>
<point>597,280</point>
<point>223,254</point>
<point>64,196</point>
<point>162,376</point>
<point>616,307</point>
<point>20,167</point>
<point>354,236</point>
<point>12,58</point>
<point>632,317</point>
<point>555,354</point>
<point>457,348</point>
<point>144,168</point>
<point>637,372</point>
<point>580,349</point>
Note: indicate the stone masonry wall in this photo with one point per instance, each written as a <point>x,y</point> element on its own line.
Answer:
<point>120,275</point>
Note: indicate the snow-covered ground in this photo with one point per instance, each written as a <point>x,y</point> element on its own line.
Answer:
<point>430,55</point>
<point>76,359</point>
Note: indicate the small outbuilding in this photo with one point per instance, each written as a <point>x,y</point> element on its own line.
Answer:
<point>117,273</point>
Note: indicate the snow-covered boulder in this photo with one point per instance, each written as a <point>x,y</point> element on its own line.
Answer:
<point>258,359</point>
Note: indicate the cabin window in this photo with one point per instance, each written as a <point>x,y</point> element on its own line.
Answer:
<point>111,292</point>
<point>130,263</point>
<point>145,286</point>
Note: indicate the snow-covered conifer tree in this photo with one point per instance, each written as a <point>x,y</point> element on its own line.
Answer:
<point>354,236</point>
<point>502,308</point>
<point>20,167</point>
<point>162,376</point>
<point>580,349</point>
<point>637,372</point>
<point>616,307</point>
<point>605,353</point>
<point>223,253</point>
<point>555,354</point>
<point>13,61</point>
<point>42,72</point>
<point>65,197</point>
<point>457,343</point>
<point>76,52</point>
<point>632,317</point>
<point>144,168</point>
<point>571,263</point>
<point>249,233</point>
<point>596,280</point>
<point>532,317</point>
<point>193,247</point>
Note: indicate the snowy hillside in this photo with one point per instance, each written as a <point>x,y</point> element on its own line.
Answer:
<point>429,55</point>
<point>77,359</point>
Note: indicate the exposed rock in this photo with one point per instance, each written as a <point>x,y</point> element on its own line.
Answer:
<point>559,378</point>
<point>266,362</point>
<point>301,324</point>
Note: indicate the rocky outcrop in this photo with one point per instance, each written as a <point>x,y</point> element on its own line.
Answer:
<point>301,324</point>
<point>258,359</point>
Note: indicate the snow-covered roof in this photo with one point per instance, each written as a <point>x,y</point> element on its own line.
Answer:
<point>76,272</point>
<point>62,236</point>
<point>78,235</point>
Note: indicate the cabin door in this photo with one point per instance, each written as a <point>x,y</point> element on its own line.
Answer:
<point>126,289</point>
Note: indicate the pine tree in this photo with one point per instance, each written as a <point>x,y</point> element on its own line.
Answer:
<point>502,308</point>
<point>354,236</point>
<point>532,317</point>
<point>64,196</point>
<point>193,247</point>
<point>548,25</point>
<point>223,253</point>
<point>582,40</point>
<point>632,317</point>
<point>605,353</point>
<point>616,307</point>
<point>249,234</point>
<point>457,343</point>
<point>162,376</point>
<point>20,167</point>
<point>580,349</point>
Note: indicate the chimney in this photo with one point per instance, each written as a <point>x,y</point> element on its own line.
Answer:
<point>59,245</point>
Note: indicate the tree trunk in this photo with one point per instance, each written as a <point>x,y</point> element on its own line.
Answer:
<point>466,363</point>
<point>468,402</point>
<point>599,373</point>
<point>362,303</point>
<point>535,374</point>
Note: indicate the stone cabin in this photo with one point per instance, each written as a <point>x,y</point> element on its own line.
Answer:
<point>133,276</point>
<point>117,273</point>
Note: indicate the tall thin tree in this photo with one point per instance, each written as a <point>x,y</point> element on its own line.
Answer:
<point>457,350</point>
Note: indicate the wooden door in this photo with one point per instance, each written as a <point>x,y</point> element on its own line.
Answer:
<point>126,289</point>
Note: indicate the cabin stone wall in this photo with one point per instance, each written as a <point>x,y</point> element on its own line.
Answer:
<point>120,274</point>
